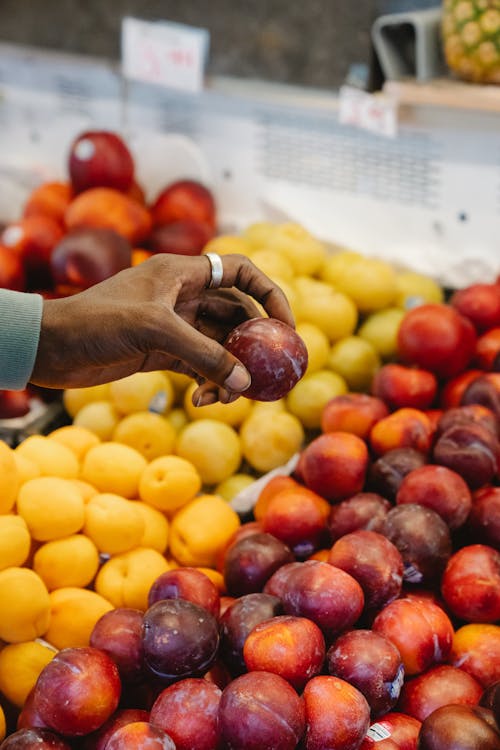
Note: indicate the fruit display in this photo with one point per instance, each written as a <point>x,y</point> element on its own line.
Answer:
<point>356,605</point>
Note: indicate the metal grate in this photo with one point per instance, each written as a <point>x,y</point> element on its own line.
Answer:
<point>325,154</point>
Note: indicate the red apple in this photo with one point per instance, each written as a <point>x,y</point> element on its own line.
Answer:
<point>100,158</point>
<point>184,199</point>
<point>438,338</point>
<point>273,353</point>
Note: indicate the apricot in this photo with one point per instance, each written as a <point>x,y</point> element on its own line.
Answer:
<point>113,523</point>
<point>78,439</point>
<point>25,605</point>
<point>52,458</point>
<point>169,482</point>
<point>20,666</point>
<point>212,447</point>
<point>125,579</point>
<point>51,507</point>
<point>9,478</point>
<point>15,541</point>
<point>156,527</point>
<point>73,613</point>
<point>115,468</point>
<point>70,561</point>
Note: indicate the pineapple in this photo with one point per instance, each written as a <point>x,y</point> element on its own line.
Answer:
<point>471,37</point>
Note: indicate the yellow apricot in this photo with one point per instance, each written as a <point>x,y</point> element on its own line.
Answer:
<point>151,434</point>
<point>169,482</point>
<point>113,523</point>
<point>76,438</point>
<point>9,478</point>
<point>72,561</point>
<point>20,667</point>
<point>113,467</point>
<point>52,508</point>
<point>213,447</point>
<point>24,604</point>
<point>52,458</point>
<point>155,534</point>
<point>15,541</point>
<point>125,579</point>
<point>73,614</point>
<point>75,398</point>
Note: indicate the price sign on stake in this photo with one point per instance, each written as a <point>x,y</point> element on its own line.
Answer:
<point>376,113</point>
<point>164,53</point>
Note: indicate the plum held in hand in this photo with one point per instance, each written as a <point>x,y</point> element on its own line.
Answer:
<point>273,353</point>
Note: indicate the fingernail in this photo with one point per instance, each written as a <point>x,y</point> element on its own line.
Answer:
<point>209,397</point>
<point>238,379</point>
<point>197,400</point>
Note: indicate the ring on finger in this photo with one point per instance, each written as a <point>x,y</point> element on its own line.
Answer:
<point>217,270</point>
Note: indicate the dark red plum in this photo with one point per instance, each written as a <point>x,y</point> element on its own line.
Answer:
<point>251,561</point>
<point>186,583</point>
<point>187,711</point>
<point>119,634</point>
<point>365,510</point>
<point>387,472</point>
<point>180,639</point>
<point>273,353</point>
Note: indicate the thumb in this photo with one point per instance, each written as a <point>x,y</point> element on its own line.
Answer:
<point>207,357</point>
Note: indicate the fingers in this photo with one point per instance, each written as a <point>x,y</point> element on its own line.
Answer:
<point>241,273</point>
<point>203,355</point>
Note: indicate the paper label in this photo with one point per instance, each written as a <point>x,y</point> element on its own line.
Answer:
<point>164,53</point>
<point>376,113</point>
<point>378,732</point>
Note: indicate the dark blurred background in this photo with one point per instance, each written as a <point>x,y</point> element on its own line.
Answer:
<point>306,42</point>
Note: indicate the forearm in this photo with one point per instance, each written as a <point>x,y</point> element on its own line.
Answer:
<point>20,320</point>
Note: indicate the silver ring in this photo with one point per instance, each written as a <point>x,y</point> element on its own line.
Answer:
<point>217,270</point>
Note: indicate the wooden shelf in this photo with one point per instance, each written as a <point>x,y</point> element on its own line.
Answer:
<point>445,92</point>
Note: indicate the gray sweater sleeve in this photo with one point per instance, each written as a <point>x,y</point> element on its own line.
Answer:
<point>20,321</point>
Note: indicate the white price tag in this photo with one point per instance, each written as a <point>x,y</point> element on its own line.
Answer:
<point>164,53</point>
<point>377,113</point>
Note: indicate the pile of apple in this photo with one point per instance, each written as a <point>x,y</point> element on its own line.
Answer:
<point>75,233</point>
<point>362,597</point>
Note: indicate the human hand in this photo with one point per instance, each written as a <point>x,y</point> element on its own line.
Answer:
<point>159,315</point>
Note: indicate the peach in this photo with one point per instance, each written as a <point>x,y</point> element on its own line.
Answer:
<point>440,489</point>
<point>438,338</point>
<point>353,412</point>
<point>437,687</point>
<point>387,472</point>
<point>400,386</point>
<point>476,649</point>
<point>484,519</point>
<point>138,735</point>
<point>470,584</point>
<point>184,199</point>
<point>77,691</point>
<point>186,583</point>
<point>328,596</point>
<point>364,510</point>
<point>251,561</point>
<point>374,562</point>
<point>334,465</point>
<point>421,631</point>
<point>293,647</point>
<point>422,538</point>
<point>173,712</point>
<point>261,709</point>
<point>337,714</point>
<point>404,428</point>
<point>49,199</point>
<point>298,517</point>
<point>106,208</point>
<point>237,621</point>
<point>119,633</point>
<point>372,664</point>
